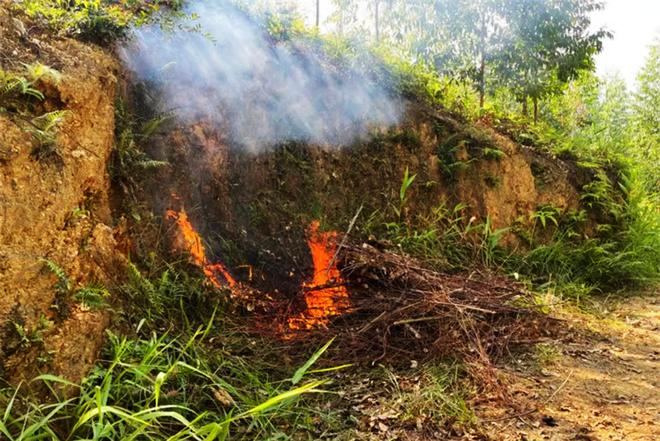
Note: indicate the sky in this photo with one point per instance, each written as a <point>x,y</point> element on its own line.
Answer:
<point>635,24</point>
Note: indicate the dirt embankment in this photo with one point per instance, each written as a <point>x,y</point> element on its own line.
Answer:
<point>261,204</point>
<point>54,209</point>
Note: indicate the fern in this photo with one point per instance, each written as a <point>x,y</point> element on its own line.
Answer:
<point>44,131</point>
<point>63,284</point>
<point>37,71</point>
<point>92,297</point>
<point>129,159</point>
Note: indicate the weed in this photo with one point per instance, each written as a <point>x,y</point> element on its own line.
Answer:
<point>100,21</point>
<point>44,131</point>
<point>63,284</point>
<point>18,91</point>
<point>493,154</point>
<point>492,181</point>
<point>546,354</point>
<point>92,297</point>
<point>129,159</point>
<point>407,181</point>
<point>543,214</point>
<point>155,388</point>
<point>439,397</point>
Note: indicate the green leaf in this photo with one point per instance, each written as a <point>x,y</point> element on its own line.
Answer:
<point>300,373</point>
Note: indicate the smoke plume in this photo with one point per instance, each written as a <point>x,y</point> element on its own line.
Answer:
<point>263,92</point>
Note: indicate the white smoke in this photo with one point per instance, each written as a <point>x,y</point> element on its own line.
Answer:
<point>265,93</point>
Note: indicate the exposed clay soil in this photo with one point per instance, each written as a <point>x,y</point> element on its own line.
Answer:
<point>54,208</point>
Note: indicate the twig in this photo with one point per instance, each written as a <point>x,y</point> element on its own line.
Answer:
<point>345,238</point>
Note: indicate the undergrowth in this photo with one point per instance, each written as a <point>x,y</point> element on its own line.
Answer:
<point>612,243</point>
<point>179,371</point>
<point>99,21</point>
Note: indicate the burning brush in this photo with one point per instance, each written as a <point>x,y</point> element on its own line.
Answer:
<point>325,296</point>
<point>384,303</point>
<point>189,239</point>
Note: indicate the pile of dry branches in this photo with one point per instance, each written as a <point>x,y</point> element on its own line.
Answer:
<point>402,309</point>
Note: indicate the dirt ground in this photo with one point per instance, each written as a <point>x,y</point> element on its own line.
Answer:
<point>599,384</point>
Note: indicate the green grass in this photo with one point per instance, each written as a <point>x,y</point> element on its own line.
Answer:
<point>439,396</point>
<point>157,388</point>
<point>176,367</point>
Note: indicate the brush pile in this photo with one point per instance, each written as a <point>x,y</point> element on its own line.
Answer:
<point>401,309</point>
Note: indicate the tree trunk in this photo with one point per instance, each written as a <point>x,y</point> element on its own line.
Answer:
<point>536,109</point>
<point>525,110</point>
<point>482,64</point>
<point>482,81</point>
<point>318,14</point>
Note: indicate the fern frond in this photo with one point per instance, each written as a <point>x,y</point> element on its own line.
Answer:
<point>38,71</point>
<point>92,297</point>
<point>63,284</point>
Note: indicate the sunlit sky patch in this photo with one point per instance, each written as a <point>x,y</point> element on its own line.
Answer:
<point>635,24</point>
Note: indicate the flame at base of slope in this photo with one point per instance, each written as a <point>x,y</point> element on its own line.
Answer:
<point>217,273</point>
<point>325,294</point>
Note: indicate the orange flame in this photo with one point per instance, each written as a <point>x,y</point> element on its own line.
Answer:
<point>193,244</point>
<point>325,295</point>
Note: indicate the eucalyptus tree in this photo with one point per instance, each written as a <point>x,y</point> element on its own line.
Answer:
<point>533,47</point>
<point>548,43</point>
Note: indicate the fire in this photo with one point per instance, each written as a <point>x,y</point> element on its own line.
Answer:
<point>193,244</point>
<point>325,295</point>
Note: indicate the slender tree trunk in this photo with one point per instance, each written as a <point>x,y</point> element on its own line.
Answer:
<point>482,64</point>
<point>525,110</point>
<point>482,81</point>
<point>536,109</point>
<point>318,14</point>
<point>377,17</point>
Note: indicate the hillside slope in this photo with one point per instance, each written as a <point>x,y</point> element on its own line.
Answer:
<point>54,206</point>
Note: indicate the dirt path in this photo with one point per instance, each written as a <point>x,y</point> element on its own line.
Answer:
<point>600,384</point>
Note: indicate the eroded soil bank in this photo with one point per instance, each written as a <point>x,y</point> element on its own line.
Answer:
<point>54,207</point>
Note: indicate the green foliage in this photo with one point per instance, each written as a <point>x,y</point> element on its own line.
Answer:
<point>100,21</point>
<point>44,131</point>
<point>446,238</point>
<point>440,397</point>
<point>543,214</point>
<point>531,47</point>
<point>403,192</point>
<point>623,252</point>
<point>63,284</point>
<point>20,90</point>
<point>92,297</point>
<point>129,160</point>
<point>24,337</point>
<point>154,388</point>
<point>646,119</point>
<point>492,154</point>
